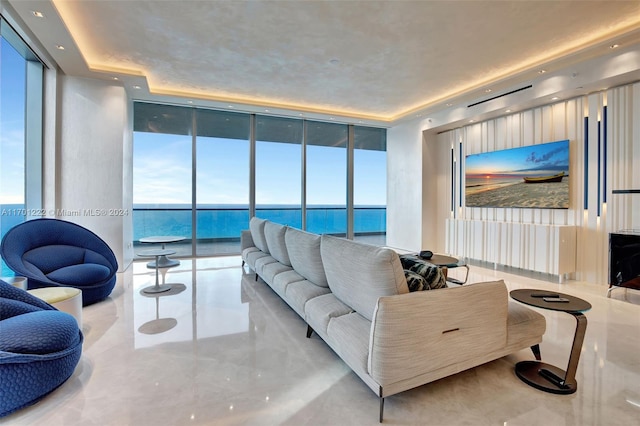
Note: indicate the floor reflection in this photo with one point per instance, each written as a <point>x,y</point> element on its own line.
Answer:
<point>160,325</point>
<point>237,355</point>
<point>203,301</point>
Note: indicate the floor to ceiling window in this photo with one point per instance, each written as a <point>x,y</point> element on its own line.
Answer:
<point>21,75</point>
<point>326,178</point>
<point>222,181</point>
<point>278,170</point>
<point>162,165</point>
<point>200,174</point>
<point>370,185</point>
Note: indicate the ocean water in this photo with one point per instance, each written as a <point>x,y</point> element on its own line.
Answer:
<point>222,222</point>
<point>225,222</point>
<point>10,216</point>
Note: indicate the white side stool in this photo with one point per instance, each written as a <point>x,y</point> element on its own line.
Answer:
<point>17,281</point>
<point>65,299</point>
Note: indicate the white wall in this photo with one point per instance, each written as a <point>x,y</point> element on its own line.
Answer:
<point>413,188</point>
<point>93,161</point>
<point>404,186</point>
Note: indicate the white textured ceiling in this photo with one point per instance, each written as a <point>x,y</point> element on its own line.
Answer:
<point>379,60</point>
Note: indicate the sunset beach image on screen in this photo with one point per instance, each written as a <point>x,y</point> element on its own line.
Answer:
<point>532,176</point>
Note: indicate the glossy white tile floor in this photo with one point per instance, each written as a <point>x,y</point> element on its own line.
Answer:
<point>223,349</point>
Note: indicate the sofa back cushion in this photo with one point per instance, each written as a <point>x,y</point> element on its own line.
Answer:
<point>274,234</point>
<point>358,274</point>
<point>304,253</point>
<point>256,226</point>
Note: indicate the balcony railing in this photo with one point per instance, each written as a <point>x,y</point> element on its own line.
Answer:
<point>218,228</point>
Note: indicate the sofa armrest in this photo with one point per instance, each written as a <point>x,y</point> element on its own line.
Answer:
<point>416,333</point>
<point>246,240</point>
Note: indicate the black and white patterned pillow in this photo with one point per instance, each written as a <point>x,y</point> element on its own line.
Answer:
<point>416,282</point>
<point>432,275</point>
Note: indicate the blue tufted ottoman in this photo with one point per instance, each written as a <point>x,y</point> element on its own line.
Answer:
<point>39,348</point>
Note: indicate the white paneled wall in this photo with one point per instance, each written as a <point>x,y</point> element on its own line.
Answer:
<point>550,249</point>
<point>599,163</point>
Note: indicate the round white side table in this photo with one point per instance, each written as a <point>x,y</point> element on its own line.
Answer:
<point>157,253</point>
<point>162,261</point>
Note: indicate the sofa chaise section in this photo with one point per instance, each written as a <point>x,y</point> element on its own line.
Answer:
<point>413,338</point>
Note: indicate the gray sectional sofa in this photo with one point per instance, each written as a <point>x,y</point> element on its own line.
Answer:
<point>355,297</point>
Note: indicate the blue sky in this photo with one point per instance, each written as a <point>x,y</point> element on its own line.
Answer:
<point>552,156</point>
<point>12,87</point>
<point>162,172</point>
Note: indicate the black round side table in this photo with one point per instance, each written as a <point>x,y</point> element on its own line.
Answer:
<point>541,375</point>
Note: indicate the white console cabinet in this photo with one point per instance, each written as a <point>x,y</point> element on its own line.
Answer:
<point>549,249</point>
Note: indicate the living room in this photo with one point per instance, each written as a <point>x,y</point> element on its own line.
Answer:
<point>87,163</point>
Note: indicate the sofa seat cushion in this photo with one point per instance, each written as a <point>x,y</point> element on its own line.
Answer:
<point>251,256</point>
<point>256,226</point>
<point>523,322</point>
<point>262,262</point>
<point>80,275</point>
<point>319,311</point>
<point>283,280</point>
<point>349,336</point>
<point>433,276</point>
<point>248,250</point>
<point>274,234</point>
<point>297,294</point>
<point>39,333</point>
<point>53,257</point>
<point>304,253</point>
<point>270,270</point>
<point>359,274</point>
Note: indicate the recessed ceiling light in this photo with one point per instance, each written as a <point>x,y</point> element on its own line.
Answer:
<point>266,110</point>
<point>449,104</point>
<point>471,121</point>
<point>542,71</point>
<point>59,47</point>
<point>116,78</point>
<point>231,106</point>
<point>507,110</point>
<point>488,91</point>
<point>301,114</point>
<point>555,98</point>
<point>37,14</point>
<point>136,87</point>
<point>613,46</point>
<point>189,102</point>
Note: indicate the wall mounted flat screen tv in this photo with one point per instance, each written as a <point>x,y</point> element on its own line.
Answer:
<point>534,176</point>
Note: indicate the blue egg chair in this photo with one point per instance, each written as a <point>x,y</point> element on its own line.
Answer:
<point>53,252</point>
<point>39,348</point>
